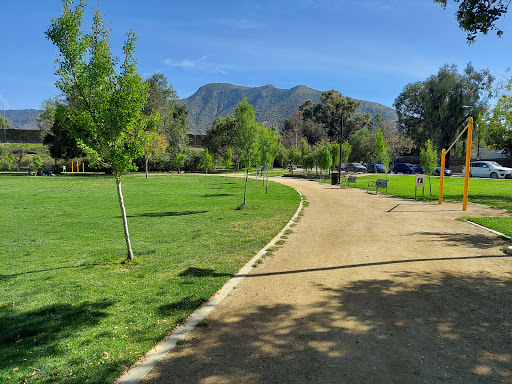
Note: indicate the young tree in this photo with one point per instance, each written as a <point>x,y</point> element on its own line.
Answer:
<point>325,159</point>
<point>428,161</point>
<point>228,159</point>
<point>294,158</point>
<point>18,154</point>
<point>9,160</point>
<point>334,148</point>
<point>206,160</point>
<point>381,152</point>
<point>346,151</point>
<point>179,161</point>
<point>106,105</point>
<point>38,162</point>
<point>155,146</point>
<point>269,147</point>
<point>246,129</point>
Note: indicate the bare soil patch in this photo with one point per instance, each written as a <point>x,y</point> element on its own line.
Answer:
<point>367,289</point>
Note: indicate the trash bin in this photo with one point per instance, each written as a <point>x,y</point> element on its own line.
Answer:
<point>335,177</point>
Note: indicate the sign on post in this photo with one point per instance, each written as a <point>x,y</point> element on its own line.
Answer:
<point>420,180</point>
<point>420,183</point>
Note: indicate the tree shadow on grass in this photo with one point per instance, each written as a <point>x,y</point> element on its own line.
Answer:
<point>186,304</point>
<point>218,195</point>
<point>486,199</point>
<point>167,214</point>
<point>28,336</point>
<point>202,272</point>
<point>409,328</point>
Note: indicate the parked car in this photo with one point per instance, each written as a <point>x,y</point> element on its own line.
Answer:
<point>418,169</point>
<point>404,168</point>
<point>447,172</point>
<point>437,171</point>
<point>356,167</point>
<point>371,168</point>
<point>490,169</point>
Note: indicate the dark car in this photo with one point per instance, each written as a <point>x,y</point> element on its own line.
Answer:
<point>356,167</point>
<point>371,168</point>
<point>404,168</point>
<point>447,172</point>
<point>418,169</point>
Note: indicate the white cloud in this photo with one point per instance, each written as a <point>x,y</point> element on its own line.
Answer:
<point>185,63</point>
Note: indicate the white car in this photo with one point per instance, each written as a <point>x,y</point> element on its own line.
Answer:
<point>489,169</point>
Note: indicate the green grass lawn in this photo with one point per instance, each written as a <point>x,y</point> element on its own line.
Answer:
<point>494,193</point>
<point>72,309</point>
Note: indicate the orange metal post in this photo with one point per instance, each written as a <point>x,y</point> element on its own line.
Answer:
<point>72,166</point>
<point>468,161</point>
<point>83,167</point>
<point>441,180</point>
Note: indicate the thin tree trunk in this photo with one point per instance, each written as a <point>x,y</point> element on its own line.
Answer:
<point>246,179</point>
<point>125,221</point>
<point>266,188</point>
<point>147,161</point>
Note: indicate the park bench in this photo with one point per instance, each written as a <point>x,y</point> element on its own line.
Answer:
<point>380,183</point>
<point>348,180</point>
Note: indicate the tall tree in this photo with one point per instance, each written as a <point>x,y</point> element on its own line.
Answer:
<point>499,121</point>
<point>163,100</point>
<point>46,118</point>
<point>479,16</point>
<point>362,142</point>
<point>221,135</point>
<point>106,105</point>
<point>59,137</point>
<point>333,113</point>
<point>436,108</point>
<point>246,133</point>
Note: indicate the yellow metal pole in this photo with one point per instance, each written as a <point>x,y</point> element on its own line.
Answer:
<point>72,166</point>
<point>468,161</point>
<point>441,175</point>
<point>83,167</point>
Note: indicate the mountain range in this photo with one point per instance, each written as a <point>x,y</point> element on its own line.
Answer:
<point>272,105</point>
<point>22,118</point>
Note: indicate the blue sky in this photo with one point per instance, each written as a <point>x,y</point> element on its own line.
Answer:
<point>365,49</point>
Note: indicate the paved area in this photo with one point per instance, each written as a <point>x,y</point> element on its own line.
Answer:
<point>367,289</point>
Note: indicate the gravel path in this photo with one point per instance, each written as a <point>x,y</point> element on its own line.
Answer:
<point>367,289</point>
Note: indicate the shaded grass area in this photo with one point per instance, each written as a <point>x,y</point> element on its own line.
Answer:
<point>493,193</point>
<point>73,309</point>
<point>500,224</point>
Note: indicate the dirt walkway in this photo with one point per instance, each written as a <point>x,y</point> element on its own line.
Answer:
<point>367,289</point>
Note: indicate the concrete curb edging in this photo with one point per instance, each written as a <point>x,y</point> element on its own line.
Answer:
<point>508,251</point>
<point>158,352</point>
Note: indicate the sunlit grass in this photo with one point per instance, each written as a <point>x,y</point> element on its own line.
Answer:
<point>493,193</point>
<point>72,309</point>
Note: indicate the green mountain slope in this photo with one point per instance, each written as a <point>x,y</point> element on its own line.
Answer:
<point>22,118</point>
<point>272,105</point>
